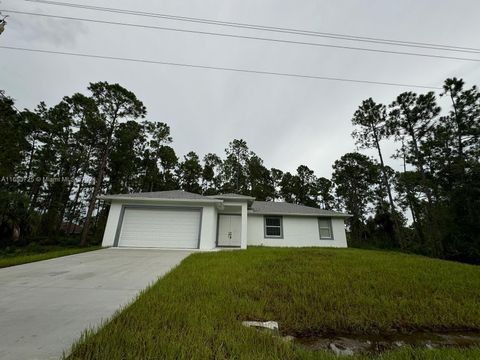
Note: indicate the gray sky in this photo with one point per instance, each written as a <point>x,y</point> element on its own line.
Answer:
<point>286,121</point>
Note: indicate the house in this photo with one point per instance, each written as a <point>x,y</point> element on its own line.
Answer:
<point>183,220</point>
<point>70,228</point>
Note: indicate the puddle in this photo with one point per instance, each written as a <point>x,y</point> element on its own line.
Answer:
<point>378,344</point>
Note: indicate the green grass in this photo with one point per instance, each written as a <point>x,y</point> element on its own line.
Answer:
<point>37,253</point>
<point>195,312</point>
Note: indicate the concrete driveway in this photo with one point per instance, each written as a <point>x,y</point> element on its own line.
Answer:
<point>45,306</point>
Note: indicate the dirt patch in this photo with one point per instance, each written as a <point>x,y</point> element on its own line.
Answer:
<point>378,344</point>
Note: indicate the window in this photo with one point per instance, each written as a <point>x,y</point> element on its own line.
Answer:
<point>325,228</point>
<point>273,227</point>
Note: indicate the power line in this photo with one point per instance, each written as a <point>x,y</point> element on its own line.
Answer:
<point>238,70</point>
<point>265,28</point>
<point>243,37</point>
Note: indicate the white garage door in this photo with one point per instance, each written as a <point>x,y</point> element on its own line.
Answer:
<point>160,227</point>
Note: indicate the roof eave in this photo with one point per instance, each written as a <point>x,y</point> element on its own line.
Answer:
<point>128,198</point>
<point>299,214</point>
<point>231,197</point>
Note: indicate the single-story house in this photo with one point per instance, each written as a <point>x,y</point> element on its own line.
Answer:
<point>182,220</point>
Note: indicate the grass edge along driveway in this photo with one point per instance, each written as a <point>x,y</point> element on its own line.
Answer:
<point>7,261</point>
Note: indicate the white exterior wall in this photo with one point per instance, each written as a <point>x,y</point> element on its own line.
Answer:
<point>112,222</point>
<point>208,232</point>
<point>339,233</point>
<point>298,231</point>
<point>244,234</point>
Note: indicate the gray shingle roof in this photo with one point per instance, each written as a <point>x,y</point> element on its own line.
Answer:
<point>284,208</point>
<point>256,207</point>
<point>167,195</point>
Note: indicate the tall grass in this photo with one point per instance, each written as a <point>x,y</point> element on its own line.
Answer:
<point>195,312</point>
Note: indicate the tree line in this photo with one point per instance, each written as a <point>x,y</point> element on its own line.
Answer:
<point>55,162</point>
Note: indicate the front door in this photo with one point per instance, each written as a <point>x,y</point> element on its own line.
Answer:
<point>229,230</point>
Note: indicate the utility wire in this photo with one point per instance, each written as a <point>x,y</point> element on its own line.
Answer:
<point>243,37</point>
<point>265,28</point>
<point>238,70</point>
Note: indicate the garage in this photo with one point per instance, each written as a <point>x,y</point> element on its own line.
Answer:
<point>160,227</point>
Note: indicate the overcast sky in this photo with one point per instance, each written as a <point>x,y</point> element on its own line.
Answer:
<point>286,121</point>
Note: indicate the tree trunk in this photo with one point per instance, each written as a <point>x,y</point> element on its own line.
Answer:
<point>73,208</point>
<point>93,200</point>
<point>396,226</point>
<point>66,197</point>
<point>34,195</point>
<point>30,161</point>
<point>16,232</point>
<point>436,243</point>
<point>98,184</point>
<point>459,131</point>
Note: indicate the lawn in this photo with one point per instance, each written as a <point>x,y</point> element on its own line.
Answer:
<point>30,254</point>
<point>195,312</point>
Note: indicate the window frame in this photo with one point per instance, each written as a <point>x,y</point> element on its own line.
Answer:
<point>330,227</point>
<point>265,227</point>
